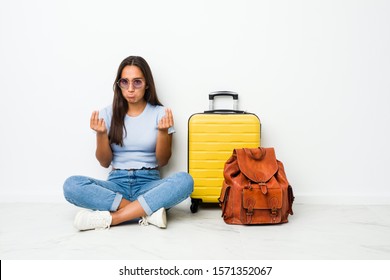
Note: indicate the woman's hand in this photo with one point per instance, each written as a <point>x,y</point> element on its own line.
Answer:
<point>103,149</point>
<point>97,124</point>
<point>166,121</point>
<point>164,140</point>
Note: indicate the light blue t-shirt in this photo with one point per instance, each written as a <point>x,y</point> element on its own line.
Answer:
<point>139,144</point>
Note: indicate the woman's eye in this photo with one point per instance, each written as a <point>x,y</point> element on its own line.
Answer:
<point>137,82</point>
<point>123,83</point>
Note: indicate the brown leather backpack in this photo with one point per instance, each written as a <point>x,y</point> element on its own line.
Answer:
<point>255,189</point>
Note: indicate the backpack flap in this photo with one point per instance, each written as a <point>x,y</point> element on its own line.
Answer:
<point>258,164</point>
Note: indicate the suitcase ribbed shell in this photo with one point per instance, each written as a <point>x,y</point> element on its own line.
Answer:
<point>211,140</point>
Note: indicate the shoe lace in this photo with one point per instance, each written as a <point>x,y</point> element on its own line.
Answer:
<point>100,219</point>
<point>143,221</point>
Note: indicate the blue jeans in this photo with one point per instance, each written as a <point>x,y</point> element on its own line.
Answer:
<point>146,186</point>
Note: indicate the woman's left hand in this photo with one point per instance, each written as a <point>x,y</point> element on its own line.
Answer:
<point>166,121</point>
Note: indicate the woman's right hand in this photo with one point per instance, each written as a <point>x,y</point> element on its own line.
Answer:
<point>103,149</point>
<point>97,124</point>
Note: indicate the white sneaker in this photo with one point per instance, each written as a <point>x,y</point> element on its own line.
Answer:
<point>88,219</point>
<point>158,218</point>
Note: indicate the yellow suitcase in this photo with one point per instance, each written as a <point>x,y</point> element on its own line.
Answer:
<point>212,136</point>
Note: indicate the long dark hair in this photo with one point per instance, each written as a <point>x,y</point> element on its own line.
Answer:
<point>120,105</point>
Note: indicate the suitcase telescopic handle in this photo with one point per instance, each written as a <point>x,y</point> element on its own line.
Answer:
<point>234,95</point>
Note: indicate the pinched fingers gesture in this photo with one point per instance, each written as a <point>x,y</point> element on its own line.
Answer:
<point>97,124</point>
<point>166,121</point>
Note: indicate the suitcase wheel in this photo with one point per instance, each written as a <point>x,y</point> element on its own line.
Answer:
<point>194,205</point>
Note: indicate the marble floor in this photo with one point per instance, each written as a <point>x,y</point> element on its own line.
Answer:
<point>315,232</point>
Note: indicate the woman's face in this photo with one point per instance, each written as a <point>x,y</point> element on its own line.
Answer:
<point>132,84</point>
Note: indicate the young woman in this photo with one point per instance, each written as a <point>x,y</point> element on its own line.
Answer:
<point>134,137</point>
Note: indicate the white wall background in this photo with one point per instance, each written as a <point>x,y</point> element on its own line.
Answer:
<point>317,73</point>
